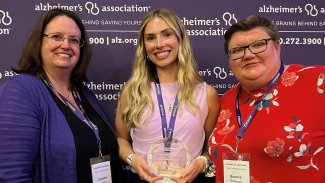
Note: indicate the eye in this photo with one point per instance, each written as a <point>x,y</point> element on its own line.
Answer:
<point>56,37</point>
<point>74,40</point>
<point>258,44</point>
<point>237,50</point>
<point>168,34</point>
<point>149,38</point>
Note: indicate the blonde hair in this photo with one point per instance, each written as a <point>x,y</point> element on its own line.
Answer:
<point>144,72</point>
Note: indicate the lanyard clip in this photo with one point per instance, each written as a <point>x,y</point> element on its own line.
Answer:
<point>237,143</point>
<point>100,150</point>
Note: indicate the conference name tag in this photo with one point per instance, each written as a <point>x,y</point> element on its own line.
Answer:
<point>101,170</point>
<point>236,170</point>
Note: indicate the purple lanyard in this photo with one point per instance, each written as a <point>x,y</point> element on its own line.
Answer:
<point>243,128</point>
<point>74,110</point>
<point>167,132</point>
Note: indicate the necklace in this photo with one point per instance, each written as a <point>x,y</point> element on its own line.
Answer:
<point>170,107</point>
<point>68,94</point>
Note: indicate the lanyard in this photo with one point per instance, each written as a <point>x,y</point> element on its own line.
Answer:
<point>243,126</point>
<point>86,120</point>
<point>167,132</point>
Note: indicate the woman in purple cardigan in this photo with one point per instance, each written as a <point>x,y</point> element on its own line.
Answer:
<point>51,125</point>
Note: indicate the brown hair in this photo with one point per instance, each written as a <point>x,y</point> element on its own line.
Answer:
<point>250,23</point>
<point>31,61</point>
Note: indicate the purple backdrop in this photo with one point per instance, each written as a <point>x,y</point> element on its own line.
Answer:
<point>112,29</point>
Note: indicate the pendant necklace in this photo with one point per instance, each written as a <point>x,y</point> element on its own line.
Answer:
<point>170,107</point>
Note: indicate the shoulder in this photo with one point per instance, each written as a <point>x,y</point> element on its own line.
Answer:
<point>212,98</point>
<point>25,79</point>
<point>24,82</point>
<point>300,68</point>
<point>231,93</point>
<point>211,91</point>
<point>305,72</point>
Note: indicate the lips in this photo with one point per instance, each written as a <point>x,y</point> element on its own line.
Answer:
<point>162,54</point>
<point>250,64</point>
<point>63,54</point>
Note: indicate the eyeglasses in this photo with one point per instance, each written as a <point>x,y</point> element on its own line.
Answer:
<point>255,47</point>
<point>59,38</point>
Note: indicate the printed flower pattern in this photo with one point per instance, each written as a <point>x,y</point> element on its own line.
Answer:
<point>295,144</point>
<point>303,150</point>
<point>275,147</point>
<point>289,78</point>
<point>292,129</point>
<point>320,81</point>
<point>226,129</point>
<point>266,101</point>
<point>224,115</point>
<point>253,180</point>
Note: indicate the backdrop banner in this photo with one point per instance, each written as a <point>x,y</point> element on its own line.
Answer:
<point>112,27</point>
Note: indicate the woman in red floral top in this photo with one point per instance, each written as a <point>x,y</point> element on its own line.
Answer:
<point>285,137</point>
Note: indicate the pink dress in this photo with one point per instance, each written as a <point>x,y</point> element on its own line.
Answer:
<point>188,128</point>
<point>286,137</point>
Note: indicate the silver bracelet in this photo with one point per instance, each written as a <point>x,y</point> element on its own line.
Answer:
<point>206,162</point>
<point>129,159</point>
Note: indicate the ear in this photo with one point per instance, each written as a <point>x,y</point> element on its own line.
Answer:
<point>278,47</point>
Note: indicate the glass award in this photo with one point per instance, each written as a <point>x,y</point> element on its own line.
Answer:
<point>168,157</point>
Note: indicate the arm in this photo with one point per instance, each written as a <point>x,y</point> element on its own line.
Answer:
<point>197,165</point>
<point>20,133</point>
<point>138,163</point>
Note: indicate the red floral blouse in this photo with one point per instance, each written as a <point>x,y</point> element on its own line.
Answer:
<point>286,137</point>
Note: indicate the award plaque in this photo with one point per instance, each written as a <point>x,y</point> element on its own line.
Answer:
<point>168,157</point>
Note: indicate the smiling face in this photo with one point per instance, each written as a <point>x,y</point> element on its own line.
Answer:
<point>161,43</point>
<point>255,71</point>
<point>60,55</point>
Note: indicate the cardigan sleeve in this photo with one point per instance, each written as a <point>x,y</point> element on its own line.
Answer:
<point>20,124</point>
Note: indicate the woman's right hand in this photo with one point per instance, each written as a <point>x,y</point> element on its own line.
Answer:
<point>140,165</point>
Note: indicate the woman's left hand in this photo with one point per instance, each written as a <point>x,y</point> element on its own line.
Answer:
<point>192,172</point>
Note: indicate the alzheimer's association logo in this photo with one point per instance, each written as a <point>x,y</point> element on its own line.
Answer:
<point>5,19</point>
<point>0,75</point>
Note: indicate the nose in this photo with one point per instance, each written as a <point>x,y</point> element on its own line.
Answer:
<point>160,43</point>
<point>65,44</point>
<point>248,54</point>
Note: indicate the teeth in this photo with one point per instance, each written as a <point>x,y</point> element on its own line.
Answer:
<point>64,55</point>
<point>162,54</point>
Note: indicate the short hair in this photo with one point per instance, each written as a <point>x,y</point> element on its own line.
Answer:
<point>251,22</point>
<point>31,61</point>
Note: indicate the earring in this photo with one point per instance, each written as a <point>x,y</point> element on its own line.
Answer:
<point>148,59</point>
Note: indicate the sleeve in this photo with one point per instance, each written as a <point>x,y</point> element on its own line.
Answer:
<point>19,132</point>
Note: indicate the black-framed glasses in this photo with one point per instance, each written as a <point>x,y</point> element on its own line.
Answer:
<point>255,47</point>
<point>59,38</point>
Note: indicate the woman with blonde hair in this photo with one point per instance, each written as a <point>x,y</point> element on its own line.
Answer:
<point>165,68</point>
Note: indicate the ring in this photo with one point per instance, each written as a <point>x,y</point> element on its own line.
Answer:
<point>145,178</point>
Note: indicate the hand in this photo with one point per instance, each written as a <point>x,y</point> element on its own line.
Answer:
<point>192,172</point>
<point>140,165</point>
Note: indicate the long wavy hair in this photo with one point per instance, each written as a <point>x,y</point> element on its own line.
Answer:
<point>139,98</point>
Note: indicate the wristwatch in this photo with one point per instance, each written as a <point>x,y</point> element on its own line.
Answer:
<point>206,162</point>
<point>129,159</point>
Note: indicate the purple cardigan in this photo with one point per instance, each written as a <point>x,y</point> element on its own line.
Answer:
<point>36,143</point>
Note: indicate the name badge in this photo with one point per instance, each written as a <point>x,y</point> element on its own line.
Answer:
<point>101,169</point>
<point>236,167</point>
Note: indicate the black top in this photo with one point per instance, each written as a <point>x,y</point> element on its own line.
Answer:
<point>86,141</point>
